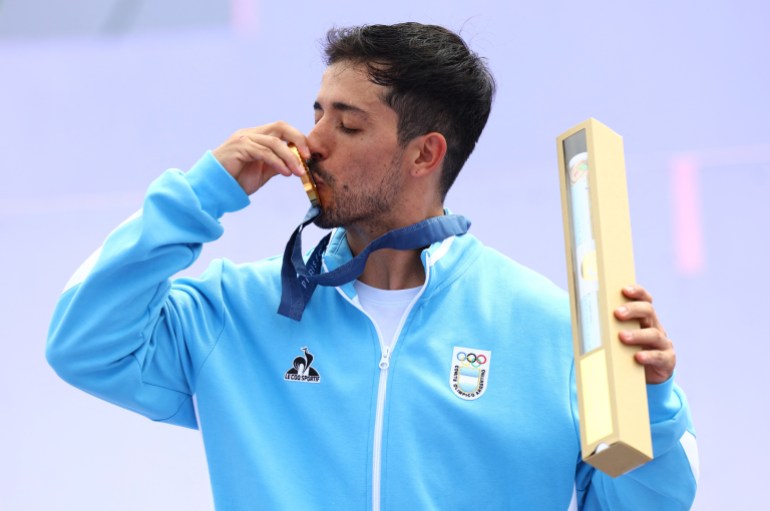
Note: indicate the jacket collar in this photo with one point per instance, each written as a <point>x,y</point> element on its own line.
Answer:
<point>443,260</point>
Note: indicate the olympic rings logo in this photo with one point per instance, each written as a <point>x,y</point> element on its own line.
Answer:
<point>471,359</point>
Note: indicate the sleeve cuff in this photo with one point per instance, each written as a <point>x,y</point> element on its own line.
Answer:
<point>217,190</point>
<point>663,401</point>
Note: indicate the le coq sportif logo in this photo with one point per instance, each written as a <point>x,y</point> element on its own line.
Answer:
<point>302,371</point>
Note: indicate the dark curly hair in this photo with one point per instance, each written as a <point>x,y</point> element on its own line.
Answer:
<point>434,82</point>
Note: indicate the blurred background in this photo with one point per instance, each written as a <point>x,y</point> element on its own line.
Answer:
<point>98,97</point>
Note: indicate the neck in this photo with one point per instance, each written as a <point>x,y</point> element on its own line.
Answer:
<point>394,269</point>
<point>389,268</point>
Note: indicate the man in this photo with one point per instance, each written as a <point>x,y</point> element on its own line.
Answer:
<point>441,377</point>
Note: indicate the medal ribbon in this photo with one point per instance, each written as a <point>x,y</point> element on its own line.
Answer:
<point>299,279</point>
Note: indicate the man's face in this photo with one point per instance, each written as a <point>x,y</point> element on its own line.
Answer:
<point>357,160</point>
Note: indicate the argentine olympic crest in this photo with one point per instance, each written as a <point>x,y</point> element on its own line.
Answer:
<point>469,372</point>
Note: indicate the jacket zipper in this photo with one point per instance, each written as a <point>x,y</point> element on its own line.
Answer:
<point>382,387</point>
<point>382,392</point>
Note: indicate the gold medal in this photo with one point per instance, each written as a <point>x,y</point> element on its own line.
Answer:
<point>307,179</point>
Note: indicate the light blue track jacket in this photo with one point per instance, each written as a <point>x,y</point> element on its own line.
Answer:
<point>315,414</point>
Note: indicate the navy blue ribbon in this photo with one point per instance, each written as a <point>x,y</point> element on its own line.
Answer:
<point>299,279</point>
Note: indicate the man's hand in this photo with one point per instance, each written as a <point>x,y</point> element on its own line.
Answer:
<point>657,353</point>
<point>254,155</point>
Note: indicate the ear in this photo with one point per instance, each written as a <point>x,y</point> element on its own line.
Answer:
<point>429,150</point>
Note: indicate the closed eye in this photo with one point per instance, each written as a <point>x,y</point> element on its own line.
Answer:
<point>348,130</point>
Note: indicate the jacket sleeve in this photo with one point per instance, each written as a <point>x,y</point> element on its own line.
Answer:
<point>117,330</point>
<point>669,481</point>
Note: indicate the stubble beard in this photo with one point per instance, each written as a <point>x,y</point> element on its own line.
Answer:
<point>368,207</point>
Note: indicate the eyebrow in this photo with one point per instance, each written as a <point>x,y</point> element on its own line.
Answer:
<point>343,107</point>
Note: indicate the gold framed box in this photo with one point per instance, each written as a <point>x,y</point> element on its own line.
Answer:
<point>612,395</point>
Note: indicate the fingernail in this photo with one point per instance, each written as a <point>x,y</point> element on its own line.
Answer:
<point>630,289</point>
<point>626,336</point>
<point>622,310</point>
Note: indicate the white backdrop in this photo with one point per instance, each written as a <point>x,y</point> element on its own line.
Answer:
<point>95,104</point>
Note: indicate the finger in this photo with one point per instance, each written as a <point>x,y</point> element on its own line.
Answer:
<point>646,338</point>
<point>636,292</point>
<point>289,159</point>
<point>661,363</point>
<point>277,145</point>
<point>272,151</point>
<point>289,133</point>
<point>643,312</point>
<point>265,149</point>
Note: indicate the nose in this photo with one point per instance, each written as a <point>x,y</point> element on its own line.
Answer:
<point>318,142</point>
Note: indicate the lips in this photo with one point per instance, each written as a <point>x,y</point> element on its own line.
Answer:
<point>316,173</point>
<point>317,178</point>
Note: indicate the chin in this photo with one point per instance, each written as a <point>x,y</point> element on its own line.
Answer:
<point>324,222</point>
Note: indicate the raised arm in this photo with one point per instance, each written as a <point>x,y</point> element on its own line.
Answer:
<point>122,329</point>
